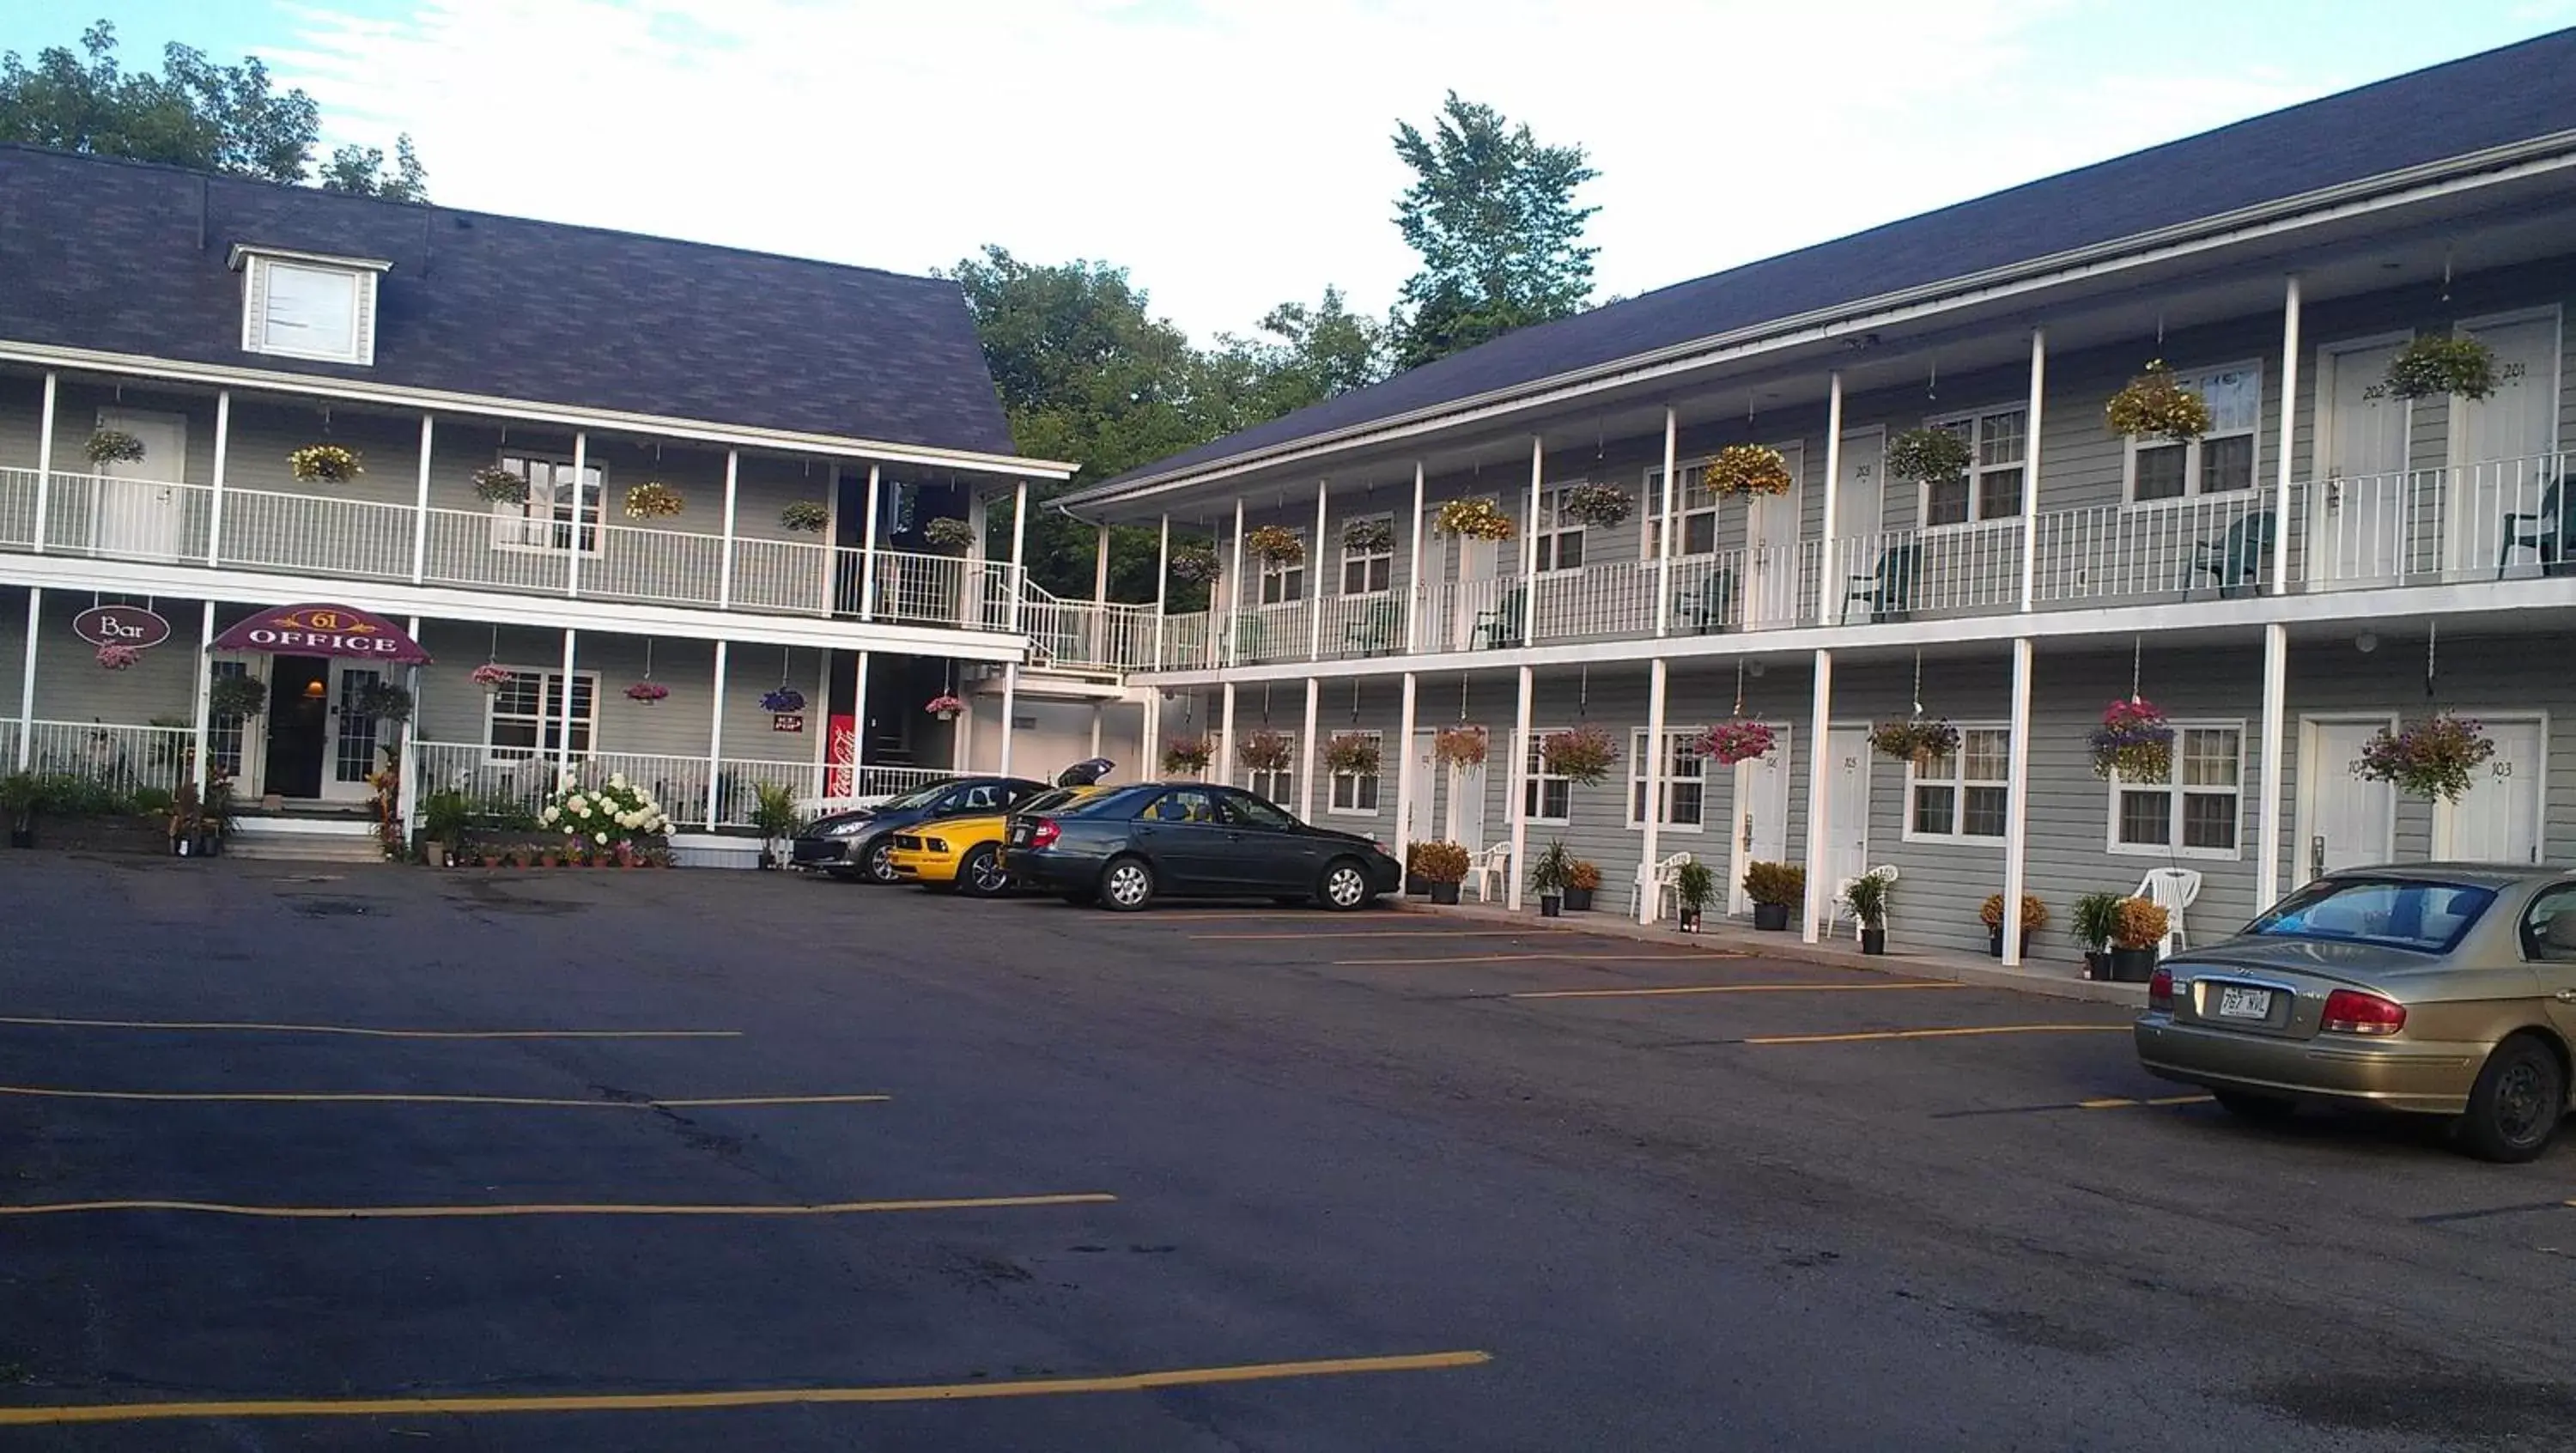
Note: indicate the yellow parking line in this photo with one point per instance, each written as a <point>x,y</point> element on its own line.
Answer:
<point>1878,1034</point>
<point>744,1398</point>
<point>444,1213</point>
<point>1729,989</point>
<point>2115,1102</point>
<point>282,1097</point>
<point>1680,958</point>
<point>374,1033</point>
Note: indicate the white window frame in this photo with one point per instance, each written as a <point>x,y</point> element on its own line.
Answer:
<point>1375,782</point>
<point>1959,782</point>
<point>1535,779</point>
<point>259,266</point>
<point>1286,778</point>
<point>2174,792</point>
<point>1282,574</point>
<point>2193,484</point>
<point>1674,739</point>
<point>1366,558</point>
<point>1976,419</point>
<point>1548,546</point>
<point>533,525</point>
<point>1691,500</point>
<point>585,726</point>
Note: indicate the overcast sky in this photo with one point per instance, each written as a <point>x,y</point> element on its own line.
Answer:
<point>1234,153</point>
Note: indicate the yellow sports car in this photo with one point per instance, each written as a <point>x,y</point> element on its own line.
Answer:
<point>964,854</point>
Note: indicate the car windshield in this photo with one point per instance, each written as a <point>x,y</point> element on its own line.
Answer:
<point>2409,913</point>
<point>917,797</point>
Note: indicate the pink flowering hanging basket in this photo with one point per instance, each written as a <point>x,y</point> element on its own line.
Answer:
<point>490,677</point>
<point>647,692</point>
<point>1732,741</point>
<point>945,706</point>
<point>118,658</point>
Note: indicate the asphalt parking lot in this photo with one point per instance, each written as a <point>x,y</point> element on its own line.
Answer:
<point>386,1158</point>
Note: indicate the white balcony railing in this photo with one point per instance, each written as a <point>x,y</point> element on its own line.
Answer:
<point>506,785</point>
<point>1945,570</point>
<point>1363,625</point>
<point>1082,635</point>
<point>2215,542</point>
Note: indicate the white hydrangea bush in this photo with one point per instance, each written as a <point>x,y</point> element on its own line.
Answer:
<point>619,819</point>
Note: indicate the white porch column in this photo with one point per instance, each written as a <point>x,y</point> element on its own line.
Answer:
<point>1664,546</point>
<point>1826,602</point>
<point>1225,739</point>
<point>419,500</point>
<point>1100,603</point>
<point>1019,567</point>
<point>1315,589</point>
<point>1416,588</point>
<point>818,719</point>
<point>1529,579</point>
<point>27,678</point>
<point>1405,786</point>
<point>1097,709</point>
<point>572,569</point>
<point>1162,590</point>
<point>1518,807</point>
<point>205,698</point>
<point>715,724</point>
<point>1658,673</point>
<point>215,499</point>
<point>563,722</point>
<point>724,566</point>
<point>2269,755</point>
<point>2030,474</point>
<point>859,721</point>
<point>1010,706</point>
<point>2017,805</point>
<point>1226,645</point>
<point>1149,745</point>
<point>868,548</point>
<point>407,757</point>
<point>2281,469</point>
<point>44,491</point>
<point>1308,749</point>
<point>1820,788</point>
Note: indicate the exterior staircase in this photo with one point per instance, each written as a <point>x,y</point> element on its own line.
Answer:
<point>305,840</point>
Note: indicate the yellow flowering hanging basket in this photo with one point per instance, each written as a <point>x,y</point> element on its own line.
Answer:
<point>1474,519</point>
<point>328,463</point>
<point>1747,469</point>
<point>652,500</point>
<point>1275,545</point>
<point>2153,404</point>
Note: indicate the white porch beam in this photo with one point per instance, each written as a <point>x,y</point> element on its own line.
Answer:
<point>215,498</point>
<point>1820,787</point>
<point>1827,600</point>
<point>1308,751</point>
<point>419,496</point>
<point>2030,471</point>
<point>1162,592</point>
<point>1658,681</point>
<point>859,716</point>
<point>1225,648</point>
<point>1405,785</point>
<point>1149,744</point>
<point>1315,580</point>
<point>1518,807</point>
<point>1010,707</point>
<point>44,490</point>
<point>1417,590</point>
<point>407,757</point>
<point>2269,757</point>
<point>724,566</point>
<point>2017,804</point>
<point>715,728</point>
<point>1097,711</point>
<point>580,474</point>
<point>868,547</point>
<point>1529,571</point>
<point>2290,305</point>
<point>27,680</point>
<point>1225,739</point>
<point>1664,545</point>
<point>563,721</point>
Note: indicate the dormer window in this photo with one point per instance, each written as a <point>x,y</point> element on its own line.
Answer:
<point>308,305</point>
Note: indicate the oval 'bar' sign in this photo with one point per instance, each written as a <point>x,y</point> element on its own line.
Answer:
<point>323,630</point>
<point>120,625</point>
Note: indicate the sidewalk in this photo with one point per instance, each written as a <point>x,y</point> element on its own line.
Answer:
<point>2061,981</point>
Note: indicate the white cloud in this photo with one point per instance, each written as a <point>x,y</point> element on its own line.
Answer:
<point>1232,153</point>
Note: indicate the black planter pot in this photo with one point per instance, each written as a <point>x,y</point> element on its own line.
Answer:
<point>1444,892</point>
<point>1771,917</point>
<point>22,837</point>
<point>1873,940</point>
<point>210,844</point>
<point>1551,905</point>
<point>1995,944</point>
<point>1578,900</point>
<point>2132,965</point>
<point>2097,964</point>
<point>1690,920</point>
<point>1416,885</point>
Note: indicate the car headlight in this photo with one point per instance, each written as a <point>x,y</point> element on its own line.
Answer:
<point>848,829</point>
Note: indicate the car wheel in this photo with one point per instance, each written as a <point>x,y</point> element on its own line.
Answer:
<point>982,874</point>
<point>1126,885</point>
<point>1345,886</point>
<point>2262,1109</point>
<point>877,865</point>
<point>2515,1106</point>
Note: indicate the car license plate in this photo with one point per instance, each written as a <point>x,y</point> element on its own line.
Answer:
<point>2236,1003</point>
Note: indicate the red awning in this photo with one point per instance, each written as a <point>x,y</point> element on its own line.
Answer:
<point>324,630</point>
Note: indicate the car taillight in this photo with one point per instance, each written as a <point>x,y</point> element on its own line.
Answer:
<point>2160,990</point>
<point>1044,834</point>
<point>2350,1011</point>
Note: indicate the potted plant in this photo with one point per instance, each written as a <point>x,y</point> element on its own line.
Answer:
<point>2436,364</point>
<point>1733,740</point>
<point>186,818</point>
<point>22,796</point>
<point>2034,917</point>
<point>2434,757</point>
<point>1548,876</point>
<point>237,696</point>
<point>500,486</point>
<point>1195,561</point>
<point>1275,545</point>
<point>782,701</point>
<point>1264,751</point>
<point>1187,756</point>
<point>806,517</point>
<point>945,706</point>
<point>2138,931</point>
<point>1443,865</point>
<point>653,500</point>
<point>1474,519</point>
<point>949,535</point>
<point>1695,885</point>
<point>1372,536</point>
<point>1868,895</point>
<point>648,692</point>
<point>1927,456</point>
<point>490,677</point>
<point>215,814</point>
<point>116,656</point>
<point>1352,754</point>
<point>2096,923</point>
<point>113,446</point>
<point>1747,469</point>
<point>1774,889</point>
<point>384,701</point>
<point>2154,405</point>
<point>444,818</point>
<point>2134,741</point>
<point>326,464</point>
<point>1583,755</point>
<point>1916,740</point>
<point>1460,746</point>
<point>1603,505</point>
<point>1582,880</point>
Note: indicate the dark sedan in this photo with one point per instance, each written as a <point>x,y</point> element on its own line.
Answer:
<point>1131,845</point>
<point>855,845</point>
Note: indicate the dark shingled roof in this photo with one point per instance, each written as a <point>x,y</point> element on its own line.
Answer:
<point>2500,97</point>
<point>130,258</point>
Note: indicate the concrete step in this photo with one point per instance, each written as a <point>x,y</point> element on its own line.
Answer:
<point>292,840</point>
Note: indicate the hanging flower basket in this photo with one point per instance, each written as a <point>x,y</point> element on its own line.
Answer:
<point>1604,505</point>
<point>1460,746</point>
<point>2434,364</point>
<point>113,446</point>
<point>945,706</point>
<point>806,517</point>
<point>1584,755</point>
<point>1352,754</point>
<point>1187,756</point>
<point>1195,562</point>
<point>1917,740</point>
<point>490,677</point>
<point>326,463</point>
<point>1474,519</point>
<point>500,486</point>
<point>647,692</point>
<point>384,701</point>
<point>237,696</point>
<point>118,658</point>
<point>784,701</point>
<point>1264,751</point>
<point>2153,404</point>
<point>2434,757</point>
<point>2134,741</point>
<point>1368,537</point>
<point>1275,545</point>
<point>1927,456</point>
<point>949,534</point>
<point>653,500</point>
<point>1732,741</point>
<point>1748,469</point>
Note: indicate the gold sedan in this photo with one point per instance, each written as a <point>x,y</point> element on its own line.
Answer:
<point>2436,989</point>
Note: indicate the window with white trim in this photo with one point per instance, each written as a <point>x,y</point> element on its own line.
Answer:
<point>554,508</point>
<point>2221,460</point>
<point>523,716</point>
<point>1694,505</point>
<point>298,305</point>
<point>1559,540</point>
<point>1546,797</point>
<point>1963,797</point>
<point>1284,581</point>
<point>1279,787</point>
<point>1685,781</point>
<point>2193,817</point>
<point>1991,489</point>
<point>1368,572</point>
<point>1356,792</point>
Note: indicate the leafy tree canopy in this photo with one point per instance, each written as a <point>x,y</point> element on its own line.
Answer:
<point>1492,213</point>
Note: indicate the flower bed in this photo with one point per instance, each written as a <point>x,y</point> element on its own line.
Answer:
<point>618,816</point>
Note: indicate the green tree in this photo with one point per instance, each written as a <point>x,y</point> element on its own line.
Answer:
<point>194,114</point>
<point>1492,213</point>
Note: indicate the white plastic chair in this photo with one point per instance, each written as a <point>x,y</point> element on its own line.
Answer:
<point>2173,890</point>
<point>1492,870</point>
<point>1841,908</point>
<point>1658,879</point>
